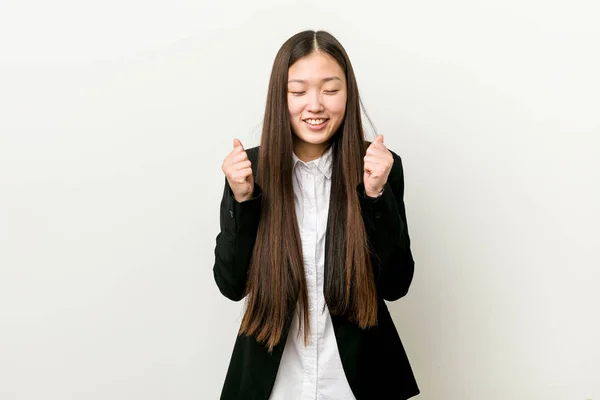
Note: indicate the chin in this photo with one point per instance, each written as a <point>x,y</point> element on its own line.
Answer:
<point>310,139</point>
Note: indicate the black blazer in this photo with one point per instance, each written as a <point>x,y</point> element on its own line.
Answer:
<point>373,360</point>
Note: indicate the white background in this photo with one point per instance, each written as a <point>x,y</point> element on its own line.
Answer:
<point>115,117</point>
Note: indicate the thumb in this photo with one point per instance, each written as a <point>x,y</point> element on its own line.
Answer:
<point>379,138</point>
<point>236,143</point>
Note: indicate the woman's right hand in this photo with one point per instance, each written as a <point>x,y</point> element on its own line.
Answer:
<point>238,171</point>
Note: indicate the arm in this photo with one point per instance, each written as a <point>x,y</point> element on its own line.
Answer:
<point>387,233</point>
<point>235,242</point>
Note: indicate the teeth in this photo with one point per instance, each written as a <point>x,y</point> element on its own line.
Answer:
<point>315,121</point>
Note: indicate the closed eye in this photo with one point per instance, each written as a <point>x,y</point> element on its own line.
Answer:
<point>297,93</point>
<point>331,91</point>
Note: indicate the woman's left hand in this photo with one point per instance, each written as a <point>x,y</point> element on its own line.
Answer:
<point>378,164</point>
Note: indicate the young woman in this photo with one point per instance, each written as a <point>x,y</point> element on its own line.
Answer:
<point>314,236</point>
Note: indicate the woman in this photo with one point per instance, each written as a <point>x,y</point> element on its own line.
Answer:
<point>314,236</point>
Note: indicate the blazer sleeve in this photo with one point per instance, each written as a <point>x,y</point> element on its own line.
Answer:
<point>235,242</point>
<point>387,234</point>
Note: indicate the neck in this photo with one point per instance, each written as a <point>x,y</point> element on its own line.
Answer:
<point>307,151</point>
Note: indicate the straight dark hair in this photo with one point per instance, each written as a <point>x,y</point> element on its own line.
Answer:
<point>276,279</point>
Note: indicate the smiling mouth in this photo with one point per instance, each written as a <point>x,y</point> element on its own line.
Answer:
<point>315,121</point>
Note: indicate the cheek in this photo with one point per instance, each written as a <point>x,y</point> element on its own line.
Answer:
<point>337,105</point>
<point>294,107</point>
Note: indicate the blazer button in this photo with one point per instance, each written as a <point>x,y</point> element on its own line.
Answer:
<point>231,213</point>
<point>378,215</point>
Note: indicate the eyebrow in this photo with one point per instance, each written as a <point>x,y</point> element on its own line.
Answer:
<point>330,78</point>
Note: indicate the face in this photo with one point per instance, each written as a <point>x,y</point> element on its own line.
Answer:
<point>316,101</point>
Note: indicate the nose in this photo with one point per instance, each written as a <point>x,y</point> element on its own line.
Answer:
<point>315,105</point>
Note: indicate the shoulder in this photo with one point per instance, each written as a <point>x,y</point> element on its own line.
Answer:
<point>396,177</point>
<point>253,153</point>
<point>397,167</point>
<point>397,172</point>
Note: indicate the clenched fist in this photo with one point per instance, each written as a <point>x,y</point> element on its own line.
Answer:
<point>238,171</point>
<point>378,164</point>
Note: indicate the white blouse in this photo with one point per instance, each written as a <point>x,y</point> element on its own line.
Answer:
<point>312,372</point>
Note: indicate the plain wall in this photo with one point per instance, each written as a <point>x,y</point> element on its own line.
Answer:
<point>115,117</point>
